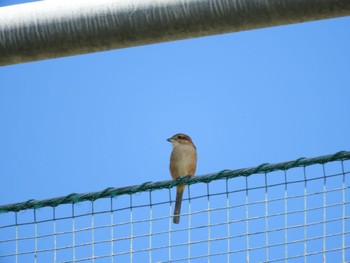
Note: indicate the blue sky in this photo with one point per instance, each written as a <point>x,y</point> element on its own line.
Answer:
<point>88,122</point>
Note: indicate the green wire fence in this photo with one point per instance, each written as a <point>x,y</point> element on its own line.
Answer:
<point>287,212</point>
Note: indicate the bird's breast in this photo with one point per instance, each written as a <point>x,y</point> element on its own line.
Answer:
<point>183,161</point>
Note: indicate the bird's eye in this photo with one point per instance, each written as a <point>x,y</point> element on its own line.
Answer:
<point>180,137</point>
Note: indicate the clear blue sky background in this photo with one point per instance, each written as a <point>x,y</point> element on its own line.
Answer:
<point>88,122</point>
<point>84,123</point>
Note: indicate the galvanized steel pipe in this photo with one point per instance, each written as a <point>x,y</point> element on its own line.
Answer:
<point>57,28</point>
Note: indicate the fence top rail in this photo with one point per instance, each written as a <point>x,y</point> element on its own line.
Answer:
<point>151,186</point>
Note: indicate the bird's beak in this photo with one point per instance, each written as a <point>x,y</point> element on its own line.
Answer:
<point>169,140</point>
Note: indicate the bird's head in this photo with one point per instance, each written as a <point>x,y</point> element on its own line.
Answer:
<point>181,139</point>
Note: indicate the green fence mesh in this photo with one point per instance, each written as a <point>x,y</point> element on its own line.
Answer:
<point>295,211</point>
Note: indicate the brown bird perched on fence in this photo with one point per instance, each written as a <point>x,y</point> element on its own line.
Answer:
<point>183,162</point>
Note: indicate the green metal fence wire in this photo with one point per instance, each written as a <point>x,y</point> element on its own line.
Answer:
<point>286,212</point>
<point>149,186</point>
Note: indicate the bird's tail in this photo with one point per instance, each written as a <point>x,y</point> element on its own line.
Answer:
<point>179,193</point>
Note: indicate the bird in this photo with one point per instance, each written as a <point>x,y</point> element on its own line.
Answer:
<point>183,162</point>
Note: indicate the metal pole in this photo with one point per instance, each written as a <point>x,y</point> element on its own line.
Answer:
<point>57,28</point>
